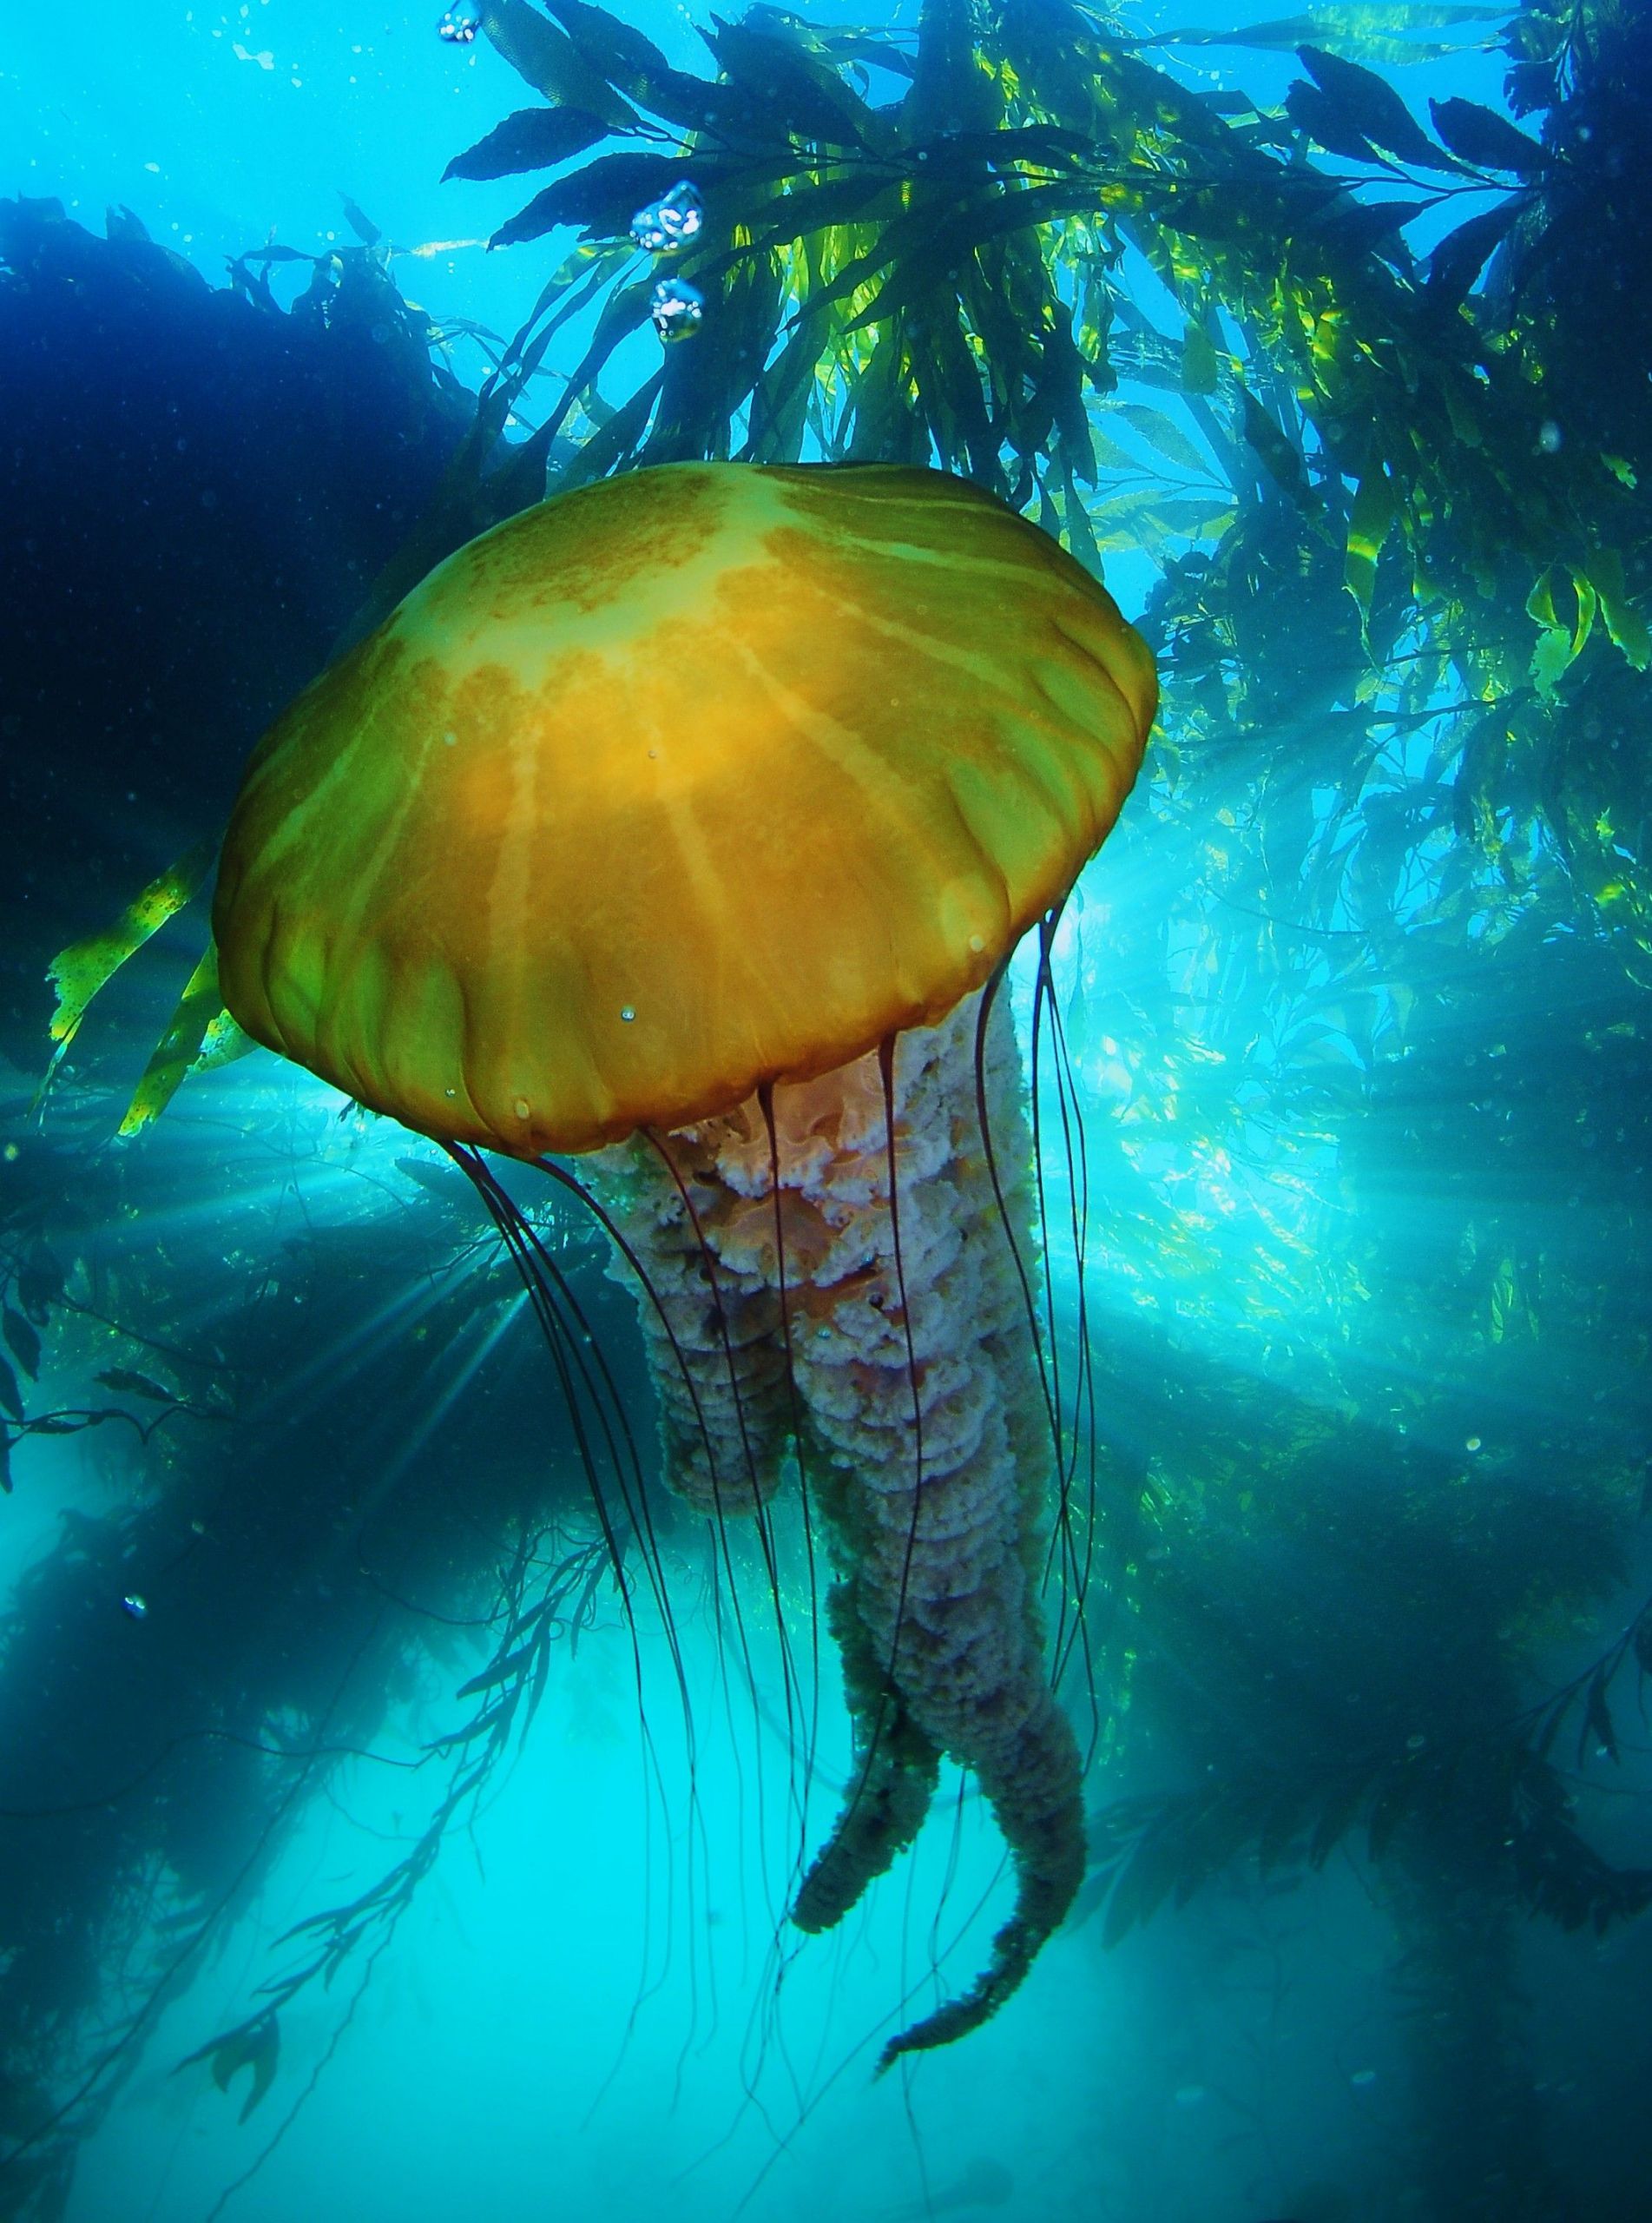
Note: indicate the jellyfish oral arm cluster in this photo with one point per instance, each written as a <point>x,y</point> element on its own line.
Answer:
<point>897,1344</point>
<point>686,824</point>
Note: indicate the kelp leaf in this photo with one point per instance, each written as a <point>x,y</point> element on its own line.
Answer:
<point>359,222</point>
<point>942,257</point>
<point>1159,432</point>
<point>616,49</point>
<point>531,139</point>
<point>1560,642</point>
<point>1364,31</point>
<point>1326,124</point>
<point>127,1383</point>
<point>502,1671</point>
<point>1200,361</point>
<point>809,101</point>
<point>618,53</point>
<point>549,60</point>
<point>1487,139</point>
<point>1625,626</point>
<point>1373,107</point>
<point>814,207</point>
<point>1364,226</point>
<point>76,973</point>
<point>22,1342</point>
<point>1129,519</point>
<point>602,196</point>
<point>1597,1719</point>
<point>177,1048</point>
<point>40,1284</point>
<point>1372,513</point>
<point>257,2047</point>
<point>1458,259</point>
<point>1283,463</point>
<point>223,1041</point>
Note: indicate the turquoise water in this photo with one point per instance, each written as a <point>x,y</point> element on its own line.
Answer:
<point>1355,1236</point>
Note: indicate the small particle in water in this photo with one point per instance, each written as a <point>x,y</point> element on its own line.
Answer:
<point>671,223</point>
<point>137,1607</point>
<point>1363,2079</point>
<point>823,1335</point>
<point>460,23</point>
<point>522,1107</point>
<point>1416,1744</point>
<point>1189,2095</point>
<point>197,1528</point>
<point>1472,1443</point>
<point>450,741</point>
<point>1549,438</point>
<point>626,1013</point>
<point>676,309</point>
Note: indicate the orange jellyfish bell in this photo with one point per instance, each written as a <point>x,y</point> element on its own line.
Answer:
<point>686,820</point>
<point>697,778</point>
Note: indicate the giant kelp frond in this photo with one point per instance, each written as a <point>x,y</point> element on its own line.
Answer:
<point>1162,1848</point>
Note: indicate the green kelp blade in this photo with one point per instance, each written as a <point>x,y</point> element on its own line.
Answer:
<point>1624,624</point>
<point>76,973</point>
<point>202,1034</point>
<point>222,1043</point>
<point>1371,514</point>
<point>1364,32</point>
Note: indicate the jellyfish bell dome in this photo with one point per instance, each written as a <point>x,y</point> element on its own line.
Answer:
<point>697,778</point>
<point>686,821</point>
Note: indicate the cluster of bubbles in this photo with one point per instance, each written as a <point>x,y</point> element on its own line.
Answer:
<point>671,223</point>
<point>676,309</point>
<point>460,23</point>
<point>666,227</point>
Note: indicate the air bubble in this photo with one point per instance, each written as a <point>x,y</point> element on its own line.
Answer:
<point>673,222</point>
<point>626,1013</point>
<point>459,24</point>
<point>676,309</point>
<point>522,1107</point>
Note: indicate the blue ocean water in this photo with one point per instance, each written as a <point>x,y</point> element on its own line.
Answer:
<point>1347,1232</point>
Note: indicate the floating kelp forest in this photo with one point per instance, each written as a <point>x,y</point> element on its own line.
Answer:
<point>827,1382</point>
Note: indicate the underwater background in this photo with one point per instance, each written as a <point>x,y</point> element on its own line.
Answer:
<point>359,1856</point>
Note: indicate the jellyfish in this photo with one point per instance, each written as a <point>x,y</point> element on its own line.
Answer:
<point>675,835</point>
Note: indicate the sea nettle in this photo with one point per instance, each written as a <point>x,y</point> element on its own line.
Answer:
<point>688,822</point>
